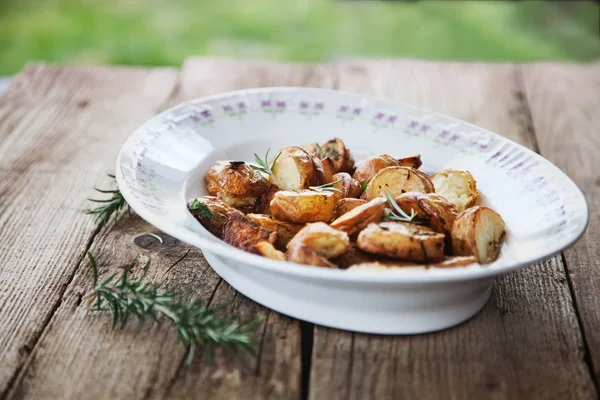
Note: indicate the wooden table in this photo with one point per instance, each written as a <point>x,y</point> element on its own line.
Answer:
<point>60,131</point>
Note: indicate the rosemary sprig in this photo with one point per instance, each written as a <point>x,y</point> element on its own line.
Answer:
<point>197,205</point>
<point>263,165</point>
<point>364,185</point>
<point>109,207</point>
<point>328,187</point>
<point>324,153</point>
<point>196,325</point>
<point>401,216</point>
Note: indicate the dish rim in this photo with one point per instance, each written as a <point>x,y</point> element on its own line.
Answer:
<point>397,276</point>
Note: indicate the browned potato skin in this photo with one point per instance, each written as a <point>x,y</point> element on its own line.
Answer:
<point>467,230</point>
<point>240,185</point>
<point>220,212</point>
<point>319,175</point>
<point>342,158</point>
<point>353,256</point>
<point>211,178</point>
<point>266,249</point>
<point>263,204</point>
<point>308,167</point>
<point>344,205</point>
<point>437,212</point>
<point>349,187</point>
<point>323,239</point>
<point>285,230</point>
<point>303,206</point>
<point>412,161</point>
<point>448,262</point>
<point>328,169</point>
<point>357,219</point>
<point>396,181</point>
<point>301,254</point>
<point>244,234</point>
<point>402,240</point>
<point>365,170</point>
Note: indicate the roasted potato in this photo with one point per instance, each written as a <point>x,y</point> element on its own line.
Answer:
<point>478,231</point>
<point>458,187</point>
<point>344,205</point>
<point>305,255</point>
<point>303,206</point>
<point>353,256</point>
<point>365,170</point>
<point>328,169</point>
<point>244,234</point>
<point>402,240</point>
<point>211,178</point>
<point>285,230</point>
<point>263,204</point>
<point>336,150</point>
<point>212,213</point>
<point>323,239</point>
<point>296,169</point>
<point>448,262</point>
<point>357,219</point>
<point>433,210</point>
<point>413,162</point>
<point>266,249</point>
<point>241,186</point>
<point>349,187</point>
<point>397,180</point>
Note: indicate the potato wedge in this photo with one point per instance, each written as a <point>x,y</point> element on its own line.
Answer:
<point>285,230</point>
<point>448,262</point>
<point>211,178</point>
<point>478,231</point>
<point>328,169</point>
<point>349,187</point>
<point>323,239</point>
<point>397,180</point>
<point>301,254</point>
<point>244,234</point>
<point>295,169</point>
<point>434,210</point>
<point>402,240</point>
<point>263,204</point>
<point>357,219</point>
<point>412,161</point>
<point>336,150</point>
<point>353,256</point>
<point>212,213</point>
<point>240,186</point>
<point>344,205</point>
<point>303,206</point>
<point>365,170</point>
<point>266,249</point>
<point>458,187</point>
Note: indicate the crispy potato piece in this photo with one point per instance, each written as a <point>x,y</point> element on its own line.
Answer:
<point>240,185</point>
<point>402,240</point>
<point>328,169</point>
<point>436,212</point>
<point>323,239</point>
<point>211,178</point>
<point>297,169</point>
<point>303,206</point>
<point>344,205</point>
<point>244,234</point>
<point>365,170</point>
<point>285,230</point>
<point>305,255</point>
<point>310,147</point>
<point>353,256</point>
<point>397,180</point>
<point>218,212</point>
<point>336,150</point>
<point>448,262</point>
<point>266,249</point>
<point>478,231</point>
<point>357,219</point>
<point>412,161</point>
<point>458,187</point>
<point>263,204</point>
<point>349,187</point>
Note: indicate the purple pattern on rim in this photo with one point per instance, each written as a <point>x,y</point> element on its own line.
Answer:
<point>265,103</point>
<point>343,109</point>
<point>454,138</point>
<point>413,124</point>
<point>391,119</point>
<point>424,128</point>
<point>357,111</point>
<point>206,114</point>
<point>281,104</point>
<point>444,134</point>
<point>379,116</point>
<point>227,108</point>
<point>319,106</point>
<point>304,105</point>
<point>242,106</point>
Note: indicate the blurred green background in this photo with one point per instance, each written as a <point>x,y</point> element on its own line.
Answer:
<point>165,32</point>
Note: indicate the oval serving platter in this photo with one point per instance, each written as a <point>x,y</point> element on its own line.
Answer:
<point>162,165</point>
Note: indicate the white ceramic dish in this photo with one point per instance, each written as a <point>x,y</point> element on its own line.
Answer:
<point>162,165</point>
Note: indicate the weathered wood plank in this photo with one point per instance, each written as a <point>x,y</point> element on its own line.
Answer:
<point>526,342</point>
<point>43,231</point>
<point>148,362</point>
<point>564,102</point>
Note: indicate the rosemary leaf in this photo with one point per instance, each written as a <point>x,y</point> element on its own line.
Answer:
<point>198,205</point>
<point>328,187</point>
<point>263,164</point>
<point>111,206</point>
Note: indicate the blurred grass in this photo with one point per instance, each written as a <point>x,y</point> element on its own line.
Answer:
<point>161,32</point>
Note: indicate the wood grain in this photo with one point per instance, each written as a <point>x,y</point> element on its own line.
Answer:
<point>564,102</point>
<point>43,230</point>
<point>529,322</point>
